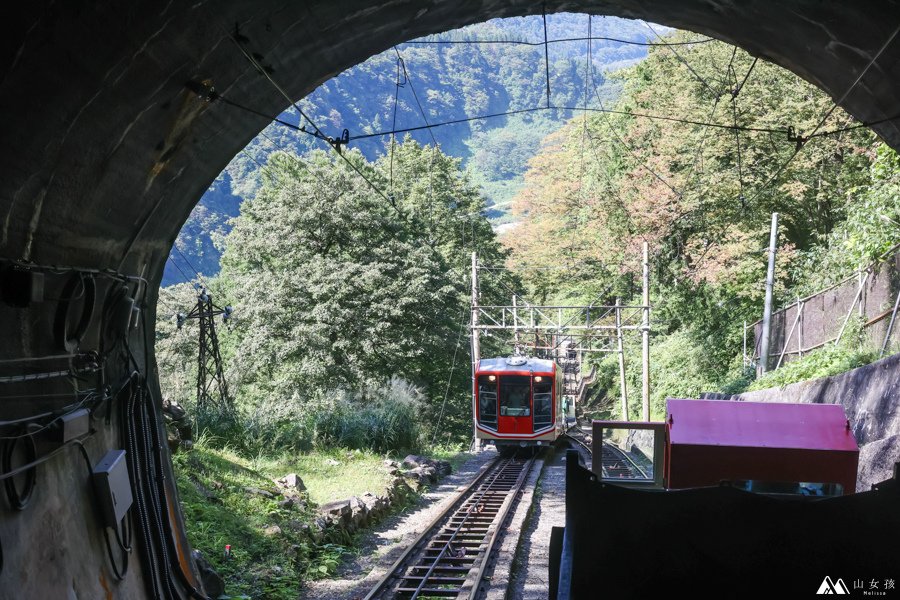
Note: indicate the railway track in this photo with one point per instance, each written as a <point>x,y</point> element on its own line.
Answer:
<point>449,558</point>
<point>614,463</point>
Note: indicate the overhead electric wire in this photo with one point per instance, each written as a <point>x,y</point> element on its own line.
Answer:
<point>397,86</point>
<point>638,115</point>
<point>422,42</point>
<point>625,144</point>
<point>546,53</point>
<point>264,72</point>
<point>180,270</point>
<point>683,61</point>
<point>737,143</point>
<point>449,380</point>
<point>802,140</point>
<point>434,142</point>
<point>740,87</point>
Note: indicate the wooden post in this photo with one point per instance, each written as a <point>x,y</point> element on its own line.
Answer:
<point>621,360</point>
<point>770,288</point>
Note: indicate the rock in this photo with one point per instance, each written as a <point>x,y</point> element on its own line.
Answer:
<point>173,410</point>
<point>317,530</point>
<point>338,510</point>
<point>422,475</point>
<point>273,530</point>
<point>212,581</point>
<point>414,460</point>
<point>443,468</point>
<point>434,468</point>
<point>332,463</point>
<point>259,492</point>
<point>359,512</point>
<point>391,464</point>
<point>216,485</point>
<point>286,504</point>
<point>371,501</point>
<point>395,472</point>
<point>291,481</point>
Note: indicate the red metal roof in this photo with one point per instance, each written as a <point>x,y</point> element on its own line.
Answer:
<point>529,365</point>
<point>759,425</point>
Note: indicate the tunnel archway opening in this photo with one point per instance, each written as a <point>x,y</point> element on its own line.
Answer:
<point>113,159</point>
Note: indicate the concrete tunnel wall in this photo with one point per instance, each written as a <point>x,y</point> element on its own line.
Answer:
<point>106,152</point>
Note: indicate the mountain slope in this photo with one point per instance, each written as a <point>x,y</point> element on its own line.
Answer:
<point>452,81</point>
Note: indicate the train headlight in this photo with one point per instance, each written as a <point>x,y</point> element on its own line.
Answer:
<point>492,378</point>
<point>538,379</point>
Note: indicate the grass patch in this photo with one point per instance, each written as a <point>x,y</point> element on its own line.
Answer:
<point>219,510</point>
<point>824,362</point>
<point>331,474</point>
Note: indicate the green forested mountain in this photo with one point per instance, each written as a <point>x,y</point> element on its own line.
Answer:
<point>452,81</point>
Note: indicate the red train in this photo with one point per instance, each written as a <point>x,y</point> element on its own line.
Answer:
<point>518,401</point>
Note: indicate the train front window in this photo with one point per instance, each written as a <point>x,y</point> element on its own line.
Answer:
<point>515,395</point>
<point>487,400</point>
<point>543,400</point>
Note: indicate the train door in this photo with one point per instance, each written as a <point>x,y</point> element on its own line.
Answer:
<point>515,404</point>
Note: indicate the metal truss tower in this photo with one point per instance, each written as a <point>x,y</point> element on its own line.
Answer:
<point>212,390</point>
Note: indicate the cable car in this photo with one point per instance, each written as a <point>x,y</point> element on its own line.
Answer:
<point>518,402</point>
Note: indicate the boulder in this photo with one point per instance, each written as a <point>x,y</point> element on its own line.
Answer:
<point>286,504</point>
<point>272,530</point>
<point>414,460</point>
<point>359,512</point>
<point>338,510</point>
<point>212,581</point>
<point>291,481</point>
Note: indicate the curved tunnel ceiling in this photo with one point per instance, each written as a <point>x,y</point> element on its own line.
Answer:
<point>107,151</point>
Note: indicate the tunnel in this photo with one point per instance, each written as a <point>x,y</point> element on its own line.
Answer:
<point>111,135</point>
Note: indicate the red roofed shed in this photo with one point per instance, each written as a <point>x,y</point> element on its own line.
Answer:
<point>709,441</point>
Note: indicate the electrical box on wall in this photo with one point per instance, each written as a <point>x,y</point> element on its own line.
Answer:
<point>113,487</point>
<point>73,425</point>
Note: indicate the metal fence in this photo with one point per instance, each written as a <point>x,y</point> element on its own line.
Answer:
<point>872,295</point>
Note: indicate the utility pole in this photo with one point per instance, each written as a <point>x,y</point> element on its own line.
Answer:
<point>516,321</point>
<point>476,347</point>
<point>767,309</point>
<point>621,360</point>
<point>645,339</point>
<point>212,390</point>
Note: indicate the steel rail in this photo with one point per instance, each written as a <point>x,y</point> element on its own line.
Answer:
<point>398,564</point>
<point>462,522</point>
